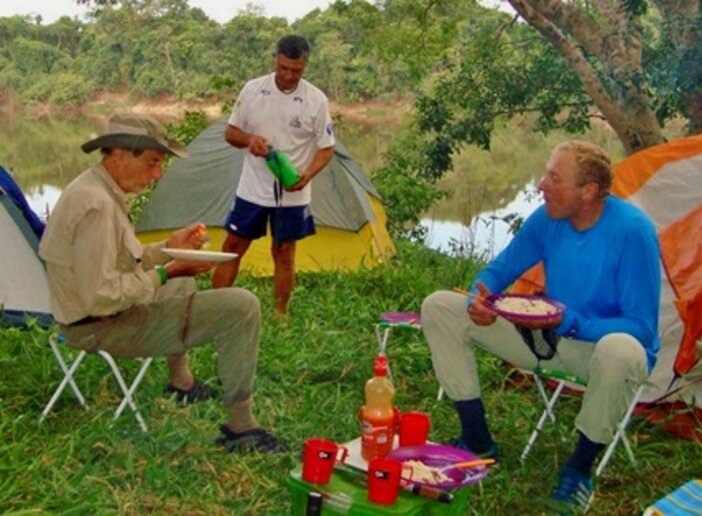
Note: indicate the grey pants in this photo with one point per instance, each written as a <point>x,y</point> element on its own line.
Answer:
<point>613,367</point>
<point>182,318</point>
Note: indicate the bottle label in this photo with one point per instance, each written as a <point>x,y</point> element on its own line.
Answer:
<point>376,441</point>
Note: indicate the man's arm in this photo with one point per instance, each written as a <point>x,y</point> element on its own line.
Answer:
<point>320,160</point>
<point>103,289</point>
<point>257,145</point>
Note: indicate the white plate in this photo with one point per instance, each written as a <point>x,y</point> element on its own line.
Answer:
<point>195,255</point>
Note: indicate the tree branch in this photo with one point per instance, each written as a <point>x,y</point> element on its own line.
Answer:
<point>575,57</point>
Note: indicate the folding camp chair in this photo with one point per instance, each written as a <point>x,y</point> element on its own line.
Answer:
<point>562,380</point>
<point>390,320</point>
<point>402,320</point>
<point>57,340</point>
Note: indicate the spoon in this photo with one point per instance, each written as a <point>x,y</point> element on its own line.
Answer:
<point>469,464</point>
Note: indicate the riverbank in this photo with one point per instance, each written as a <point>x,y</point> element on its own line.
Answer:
<point>170,108</point>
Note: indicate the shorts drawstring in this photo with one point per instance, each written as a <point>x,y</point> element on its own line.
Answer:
<point>278,193</point>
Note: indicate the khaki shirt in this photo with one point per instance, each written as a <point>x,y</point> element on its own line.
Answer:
<point>94,262</point>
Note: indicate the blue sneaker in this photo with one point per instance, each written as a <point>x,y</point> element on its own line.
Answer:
<point>573,493</point>
<point>492,453</point>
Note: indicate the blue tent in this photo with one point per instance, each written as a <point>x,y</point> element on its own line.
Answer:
<point>10,187</point>
<point>24,292</point>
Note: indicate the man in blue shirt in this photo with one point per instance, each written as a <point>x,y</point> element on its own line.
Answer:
<point>601,260</point>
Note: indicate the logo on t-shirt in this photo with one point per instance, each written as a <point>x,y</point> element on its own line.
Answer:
<point>265,92</point>
<point>295,122</point>
<point>298,99</point>
<point>330,130</point>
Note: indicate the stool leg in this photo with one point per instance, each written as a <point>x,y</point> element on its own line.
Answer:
<point>125,390</point>
<point>135,384</point>
<point>621,427</point>
<point>548,411</point>
<point>67,380</point>
<point>68,373</point>
<point>544,396</point>
<point>383,334</point>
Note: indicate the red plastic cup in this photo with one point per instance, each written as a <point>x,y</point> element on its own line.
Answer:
<point>414,428</point>
<point>384,477</point>
<point>319,458</point>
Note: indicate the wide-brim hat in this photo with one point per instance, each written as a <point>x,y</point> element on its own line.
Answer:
<point>132,132</point>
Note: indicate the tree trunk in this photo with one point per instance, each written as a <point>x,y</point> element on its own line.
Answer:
<point>619,92</point>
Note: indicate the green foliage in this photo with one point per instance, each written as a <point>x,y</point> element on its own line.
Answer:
<point>675,74</point>
<point>407,192</point>
<point>62,88</point>
<point>360,49</point>
<point>470,69</point>
<point>33,57</point>
<point>499,73</point>
<point>192,125</point>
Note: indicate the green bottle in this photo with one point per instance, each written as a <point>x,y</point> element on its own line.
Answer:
<point>282,168</point>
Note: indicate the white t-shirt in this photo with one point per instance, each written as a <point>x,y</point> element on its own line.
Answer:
<point>297,123</point>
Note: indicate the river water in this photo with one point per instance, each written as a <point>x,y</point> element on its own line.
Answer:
<point>44,155</point>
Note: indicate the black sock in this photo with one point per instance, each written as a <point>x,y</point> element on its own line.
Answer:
<point>474,430</point>
<point>584,455</point>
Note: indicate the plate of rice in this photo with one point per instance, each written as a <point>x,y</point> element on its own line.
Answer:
<point>431,465</point>
<point>522,307</point>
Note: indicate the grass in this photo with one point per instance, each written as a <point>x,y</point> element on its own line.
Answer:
<point>310,379</point>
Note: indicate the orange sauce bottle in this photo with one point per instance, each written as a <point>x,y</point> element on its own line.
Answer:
<point>378,414</point>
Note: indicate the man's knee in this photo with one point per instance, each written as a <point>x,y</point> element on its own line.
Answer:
<point>434,303</point>
<point>234,301</point>
<point>618,354</point>
<point>249,303</point>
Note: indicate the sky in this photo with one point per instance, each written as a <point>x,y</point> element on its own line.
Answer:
<point>219,10</point>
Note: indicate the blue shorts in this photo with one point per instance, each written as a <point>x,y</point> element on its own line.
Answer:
<point>249,220</point>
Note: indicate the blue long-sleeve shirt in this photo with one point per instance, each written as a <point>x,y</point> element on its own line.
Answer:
<point>608,276</point>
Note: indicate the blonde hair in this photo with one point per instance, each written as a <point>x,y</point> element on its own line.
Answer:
<point>593,164</point>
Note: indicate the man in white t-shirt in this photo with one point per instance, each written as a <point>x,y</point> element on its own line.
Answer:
<point>283,111</point>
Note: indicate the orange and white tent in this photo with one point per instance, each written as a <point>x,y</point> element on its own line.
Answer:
<point>666,182</point>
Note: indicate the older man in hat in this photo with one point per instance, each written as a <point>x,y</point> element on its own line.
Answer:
<point>109,292</point>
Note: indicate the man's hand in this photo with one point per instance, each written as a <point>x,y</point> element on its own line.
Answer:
<point>321,159</point>
<point>479,312</point>
<point>301,183</point>
<point>190,237</point>
<point>258,145</point>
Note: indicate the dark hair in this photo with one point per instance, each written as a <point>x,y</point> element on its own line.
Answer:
<point>293,47</point>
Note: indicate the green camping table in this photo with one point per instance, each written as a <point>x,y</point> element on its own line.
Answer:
<point>346,493</point>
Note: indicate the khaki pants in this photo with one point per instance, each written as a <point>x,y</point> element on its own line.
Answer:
<point>182,318</point>
<point>614,367</point>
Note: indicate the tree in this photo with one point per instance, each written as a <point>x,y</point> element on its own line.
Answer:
<point>603,42</point>
<point>635,66</point>
<point>676,61</point>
